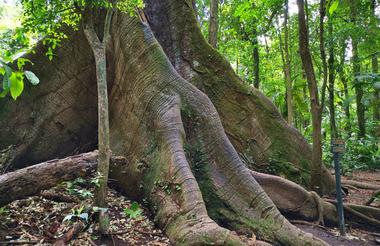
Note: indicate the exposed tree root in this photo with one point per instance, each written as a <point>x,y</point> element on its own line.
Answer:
<point>361,185</point>
<point>296,202</point>
<point>373,197</point>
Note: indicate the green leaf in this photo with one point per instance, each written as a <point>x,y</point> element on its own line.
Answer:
<point>21,62</point>
<point>134,206</point>
<point>16,84</point>
<point>4,93</point>
<point>333,7</point>
<point>32,77</point>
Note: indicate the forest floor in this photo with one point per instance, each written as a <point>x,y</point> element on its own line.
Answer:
<point>42,219</point>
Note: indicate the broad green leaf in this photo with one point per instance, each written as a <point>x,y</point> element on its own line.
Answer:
<point>32,77</point>
<point>16,84</point>
<point>333,7</point>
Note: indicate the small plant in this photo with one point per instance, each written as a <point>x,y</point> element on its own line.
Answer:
<point>133,211</point>
<point>84,193</point>
<point>96,180</point>
<point>77,214</point>
<point>3,211</point>
<point>73,187</point>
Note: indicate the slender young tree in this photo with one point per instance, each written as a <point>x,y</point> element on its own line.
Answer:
<point>256,59</point>
<point>98,47</point>
<point>307,63</point>
<point>213,23</point>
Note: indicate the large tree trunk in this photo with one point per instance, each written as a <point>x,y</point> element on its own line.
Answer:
<point>170,131</point>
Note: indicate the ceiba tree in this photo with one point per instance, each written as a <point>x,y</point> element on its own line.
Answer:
<point>191,131</point>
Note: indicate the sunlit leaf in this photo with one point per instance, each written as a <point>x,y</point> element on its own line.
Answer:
<point>16,84</point>
<point>333,6</point>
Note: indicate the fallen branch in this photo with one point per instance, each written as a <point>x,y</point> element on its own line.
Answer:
<point>31,180</point>
<point>58,197</point>
<point>361,185</point>
<point>18,242</point>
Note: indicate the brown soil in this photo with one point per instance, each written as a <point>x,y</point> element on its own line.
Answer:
<point>361,196</point>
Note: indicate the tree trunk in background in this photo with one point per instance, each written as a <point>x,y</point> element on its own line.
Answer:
<point>322,50</point>
<point>288,77</point>
<point>343,78</point>
<point>194,5</point>
<point>375,68</point>
<point>256,59</point>
<point>356,72</point>
<point>316,167</point>
<point>213,24</point>
<point>333,128</point>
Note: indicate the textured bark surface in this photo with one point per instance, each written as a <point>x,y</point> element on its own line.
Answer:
<point>171,132</point>
<point>252,122</point>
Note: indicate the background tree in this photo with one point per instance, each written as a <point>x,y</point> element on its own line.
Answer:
<point>316,110</point>
<point>213,26</point>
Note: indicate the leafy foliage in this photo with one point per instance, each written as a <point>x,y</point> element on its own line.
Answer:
<point>239,18</point>
<point>133,211</point>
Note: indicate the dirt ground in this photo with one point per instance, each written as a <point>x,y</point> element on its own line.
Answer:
<point>42,219</point>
